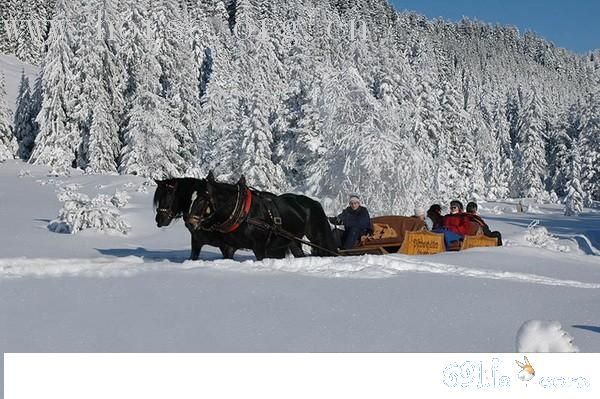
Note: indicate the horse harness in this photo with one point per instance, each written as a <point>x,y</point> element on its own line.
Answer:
<point>240,214</point>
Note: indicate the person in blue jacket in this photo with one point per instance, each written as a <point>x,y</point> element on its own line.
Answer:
<point>356,221</point>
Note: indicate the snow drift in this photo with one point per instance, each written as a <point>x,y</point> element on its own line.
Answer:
<point>539,336</point>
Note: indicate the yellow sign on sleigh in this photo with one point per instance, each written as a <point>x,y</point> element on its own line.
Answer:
<point>422,243</point>
<point>479,241</point>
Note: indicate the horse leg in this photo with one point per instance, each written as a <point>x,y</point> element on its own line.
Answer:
<point>260,252</point>
<point>317,235</point>
<point>296,250</point>
<point>227,251</point>
<point>278,253</point>
<point>196,248</point>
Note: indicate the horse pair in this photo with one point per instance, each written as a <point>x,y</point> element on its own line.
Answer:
<point>234,216</point>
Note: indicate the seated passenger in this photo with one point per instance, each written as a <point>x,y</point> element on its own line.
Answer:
<point>474,216</point>
<point>420,214</point>
<point>356,221</point>
<point>457,221</point>
<point>435,215</point>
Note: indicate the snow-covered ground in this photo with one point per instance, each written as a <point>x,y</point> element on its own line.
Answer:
<point>96,291</point>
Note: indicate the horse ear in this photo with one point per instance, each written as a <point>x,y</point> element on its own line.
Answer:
<point>209,188</point>
<point>242,181</point>
<point>211,176</point>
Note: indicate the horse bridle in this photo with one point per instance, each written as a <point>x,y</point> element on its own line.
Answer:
<point>200,219</point>
<point>164,211</point>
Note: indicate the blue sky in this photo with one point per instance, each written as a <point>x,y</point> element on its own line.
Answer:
<point>573,24</point>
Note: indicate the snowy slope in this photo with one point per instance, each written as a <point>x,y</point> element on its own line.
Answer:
<point>109,292</point>
<point>11,67</point>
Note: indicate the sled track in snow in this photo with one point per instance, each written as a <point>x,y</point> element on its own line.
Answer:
<point>372,266</point>
<point>365,267</point>
<point>95,267</point>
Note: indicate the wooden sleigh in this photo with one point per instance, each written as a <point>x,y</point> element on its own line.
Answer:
<point>409,236</point>
<point>388,235</point>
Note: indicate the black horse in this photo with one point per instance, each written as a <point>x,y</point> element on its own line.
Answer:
<point>245,218</point>
<point>172,200</point>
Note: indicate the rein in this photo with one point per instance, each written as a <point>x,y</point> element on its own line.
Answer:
<point>278,231</point>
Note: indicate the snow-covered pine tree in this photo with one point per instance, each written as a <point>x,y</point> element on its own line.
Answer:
<point>475,152</point>
<point>133,44</point>
<point>498,170</point>
<point>256,151</point>
<point>427,117</point>
<point>31,26</point>
<point>517,162</point>
<point>223,141</point>
<point>24,119</point>
<point>58,140</point>
<point>151,147</point>
<point>175,57</point>
<point>297,127</point>
<point>513,114</point>
<point>219,92</point>
<point>531,137</point>
<point>209,35</point>
<point>559,152</point>
<point>99,82</point>
<point>575,196</point>
<point>455,146</point>
<point>36,104</point>
<point>7,139</point>
<point>7,14</point>
<point>589,143</point>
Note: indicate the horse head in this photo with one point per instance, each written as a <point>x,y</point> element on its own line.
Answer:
<point>165,198</point>
<point>212,204</point>
<point>200,205</point>
<point>172,199</point>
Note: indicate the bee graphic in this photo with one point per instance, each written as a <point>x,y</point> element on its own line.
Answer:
<point>527,372</point>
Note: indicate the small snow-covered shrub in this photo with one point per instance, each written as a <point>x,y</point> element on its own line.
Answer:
<point>71,187</point>
<point>68,192</point>
<point>120,199</point>
<point>59,171</point>
<point>146,186</point>
<point>79,212</point>
<point>533,209</point>
<point>553,198</point>
<point>539,237</point>
<point>24,173</point>
<point>540,336</point>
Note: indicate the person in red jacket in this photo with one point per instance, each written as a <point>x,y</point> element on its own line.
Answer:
<point>457,221</point>
<point>474,216</point>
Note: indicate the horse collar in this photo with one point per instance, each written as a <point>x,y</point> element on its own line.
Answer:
<point>239,214</point>
<point>245,211</point>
